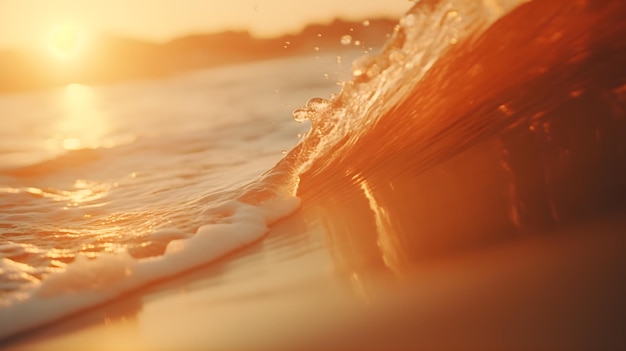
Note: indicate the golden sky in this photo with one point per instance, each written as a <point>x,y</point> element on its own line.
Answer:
<point>29,23</point>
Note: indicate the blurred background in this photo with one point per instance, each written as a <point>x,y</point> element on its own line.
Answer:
<point>58,42</point>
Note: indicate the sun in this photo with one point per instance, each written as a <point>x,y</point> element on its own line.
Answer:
<point>65,41</point>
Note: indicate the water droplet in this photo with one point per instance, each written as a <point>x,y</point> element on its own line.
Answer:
<point>313,106</point>
<point>319,35</point>
<point>318,104</point>
<point>338,59</point>
<point>366,23</point>
<point>284,152</point>
<point>357,43</point>
<point>300,115</point>
<point>299,135</point>
<point>346,39</point>
<point>317,48</point>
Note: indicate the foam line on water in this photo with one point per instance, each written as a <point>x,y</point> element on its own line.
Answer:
<point>88,282</point>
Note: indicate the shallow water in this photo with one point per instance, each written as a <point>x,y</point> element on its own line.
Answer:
<point>478,123</point>
<point>125,169</point>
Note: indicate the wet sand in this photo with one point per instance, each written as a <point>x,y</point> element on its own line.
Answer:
<point>563,291</point>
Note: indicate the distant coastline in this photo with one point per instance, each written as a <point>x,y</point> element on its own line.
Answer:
<point>112,58</point>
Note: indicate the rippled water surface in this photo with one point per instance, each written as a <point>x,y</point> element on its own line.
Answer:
<point>92,169</point>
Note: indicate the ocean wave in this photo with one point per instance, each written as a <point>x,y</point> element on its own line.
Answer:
<point>476,121</point>
<point>517,128</point>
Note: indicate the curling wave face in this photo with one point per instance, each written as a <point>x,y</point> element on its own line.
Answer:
<point>472,128</point>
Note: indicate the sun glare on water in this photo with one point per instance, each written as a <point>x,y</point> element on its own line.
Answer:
<point>83,124</point>
<point>65,41</point>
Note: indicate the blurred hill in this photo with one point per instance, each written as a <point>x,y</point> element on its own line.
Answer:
<point>111,58</point>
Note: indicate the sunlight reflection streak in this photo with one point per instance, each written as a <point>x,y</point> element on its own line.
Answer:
<point>83,124</point>
<point>387,236</point>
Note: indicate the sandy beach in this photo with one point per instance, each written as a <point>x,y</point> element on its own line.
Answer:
<point>563,292</point>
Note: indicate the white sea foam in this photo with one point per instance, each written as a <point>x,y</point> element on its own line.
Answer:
<point>88,282</point>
